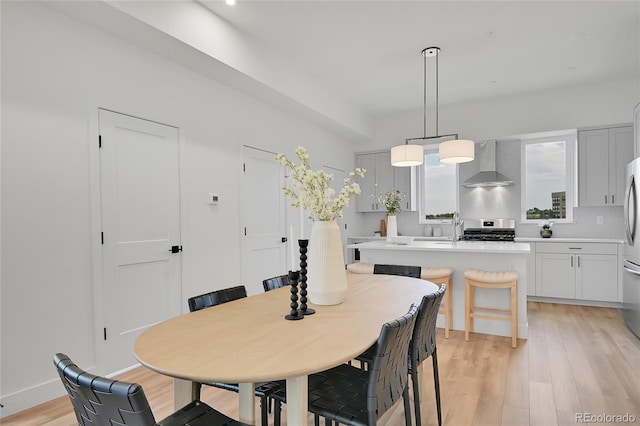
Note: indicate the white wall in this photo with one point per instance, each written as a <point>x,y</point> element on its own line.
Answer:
<point>56,72</point>
<point>567,108</point>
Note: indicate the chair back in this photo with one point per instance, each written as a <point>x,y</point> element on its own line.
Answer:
<point>100,401</point>
<point>388,372</point>
<point>275,282</point>
<point>423,341</point>
<point>404,270</point>
<point>216,297</point>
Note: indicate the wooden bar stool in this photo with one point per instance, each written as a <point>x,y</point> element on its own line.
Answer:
<point>442,276</point>
<point>485,279</point>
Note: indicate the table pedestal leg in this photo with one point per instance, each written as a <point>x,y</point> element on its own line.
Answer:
<point>298,400</point>
<point>184,391</point>
<point>247,406</point>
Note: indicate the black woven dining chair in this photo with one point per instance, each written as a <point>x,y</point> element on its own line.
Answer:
<point>275,282</point>
<point>101,401</point>
<point>404,270</point>
<point>207,300</point>
<point>216,297</point>
<point>351,396</point>
<point>421,347</point>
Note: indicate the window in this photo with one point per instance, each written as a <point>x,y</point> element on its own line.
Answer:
<point>438,187</point>
<point>548,181</point>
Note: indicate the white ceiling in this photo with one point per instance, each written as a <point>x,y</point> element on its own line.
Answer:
<point>370,51</point>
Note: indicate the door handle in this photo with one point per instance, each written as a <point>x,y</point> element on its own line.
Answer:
<point>630,228</point>
<point>175,249</point>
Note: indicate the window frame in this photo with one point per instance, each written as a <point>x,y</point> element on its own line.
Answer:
<point>570,138</point>
<point>422,220</point>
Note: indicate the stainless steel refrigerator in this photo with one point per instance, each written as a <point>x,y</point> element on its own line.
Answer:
<point>631,258</point>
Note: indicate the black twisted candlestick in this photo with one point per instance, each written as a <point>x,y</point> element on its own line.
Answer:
<point>293,280</point>
<point>304,310</point>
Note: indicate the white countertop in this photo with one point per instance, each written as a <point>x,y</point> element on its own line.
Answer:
<point>448,246</point>
<point>416,237</point>
<point>568,240</point>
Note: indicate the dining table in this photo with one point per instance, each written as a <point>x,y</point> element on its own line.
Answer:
<point>249,340</point>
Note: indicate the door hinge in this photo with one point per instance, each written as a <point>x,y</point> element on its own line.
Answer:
<point>105,333</point>
<point>102,237</point>
<point>99,141</point>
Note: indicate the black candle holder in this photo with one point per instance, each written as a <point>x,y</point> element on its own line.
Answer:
<point>303,244</point>
<point>294,314</point>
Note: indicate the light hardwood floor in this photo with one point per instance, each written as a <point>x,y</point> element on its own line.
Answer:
<point>577,360</point>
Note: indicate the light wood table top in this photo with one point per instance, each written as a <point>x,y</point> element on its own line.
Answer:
<point>248,340</point>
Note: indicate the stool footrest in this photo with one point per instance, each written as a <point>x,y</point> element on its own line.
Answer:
<point>487,316</point>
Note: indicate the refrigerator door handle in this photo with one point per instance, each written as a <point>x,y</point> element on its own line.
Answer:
<point>629,228</point>
<point>632,271</point>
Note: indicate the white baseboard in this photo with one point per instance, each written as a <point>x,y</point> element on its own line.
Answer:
<point>35,395</point>
<point>28,398</point>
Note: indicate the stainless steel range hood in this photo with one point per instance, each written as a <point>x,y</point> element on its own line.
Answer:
<point>488,176</point>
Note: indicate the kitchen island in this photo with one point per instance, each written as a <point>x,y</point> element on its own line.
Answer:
<point>460,256</point>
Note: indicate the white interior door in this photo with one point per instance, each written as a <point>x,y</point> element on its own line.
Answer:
<point>140,211</point>
<point>263,209</point>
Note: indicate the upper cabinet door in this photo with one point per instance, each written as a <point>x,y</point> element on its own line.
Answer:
<point>602,158</point>
<point>620,153</point>
<point>593,167</point>
<point>366,200</point>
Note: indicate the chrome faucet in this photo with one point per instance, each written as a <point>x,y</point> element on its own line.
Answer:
<point>456,225</point>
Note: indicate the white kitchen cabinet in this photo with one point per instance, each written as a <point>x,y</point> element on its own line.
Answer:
<point>403,181</point>
<point>602,157</point>
<point>555,276</point>
<point>636,130</point>
<point>584,271</point>
<point>381,177</point>
<point>597,277</point>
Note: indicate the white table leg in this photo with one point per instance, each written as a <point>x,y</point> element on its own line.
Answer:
<point>298,400</point>
<point>247,403</point>
<point>184,392</point>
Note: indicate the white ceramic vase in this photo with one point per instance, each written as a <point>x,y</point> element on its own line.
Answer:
<point>326,274</point>
<point>392,227</point>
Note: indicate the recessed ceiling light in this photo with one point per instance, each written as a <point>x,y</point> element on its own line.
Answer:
<point>230,2</point>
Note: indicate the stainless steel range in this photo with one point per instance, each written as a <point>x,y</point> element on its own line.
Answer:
<point>489,230</point>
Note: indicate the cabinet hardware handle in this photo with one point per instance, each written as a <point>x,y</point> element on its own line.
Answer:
<point>571,261</point>
<point>605,199</point>
<point>612,202</point>
<point>578,261</point>
<point>575,248</point>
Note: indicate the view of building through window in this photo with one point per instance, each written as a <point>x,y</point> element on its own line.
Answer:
<point>546,180</point>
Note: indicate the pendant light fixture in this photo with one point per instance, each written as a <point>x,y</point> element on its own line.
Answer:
<point>453,150</point>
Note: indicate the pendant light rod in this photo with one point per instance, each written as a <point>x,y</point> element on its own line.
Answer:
<point>430,52</point>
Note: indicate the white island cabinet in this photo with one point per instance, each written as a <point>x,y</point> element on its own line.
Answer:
<point>460,256</point>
